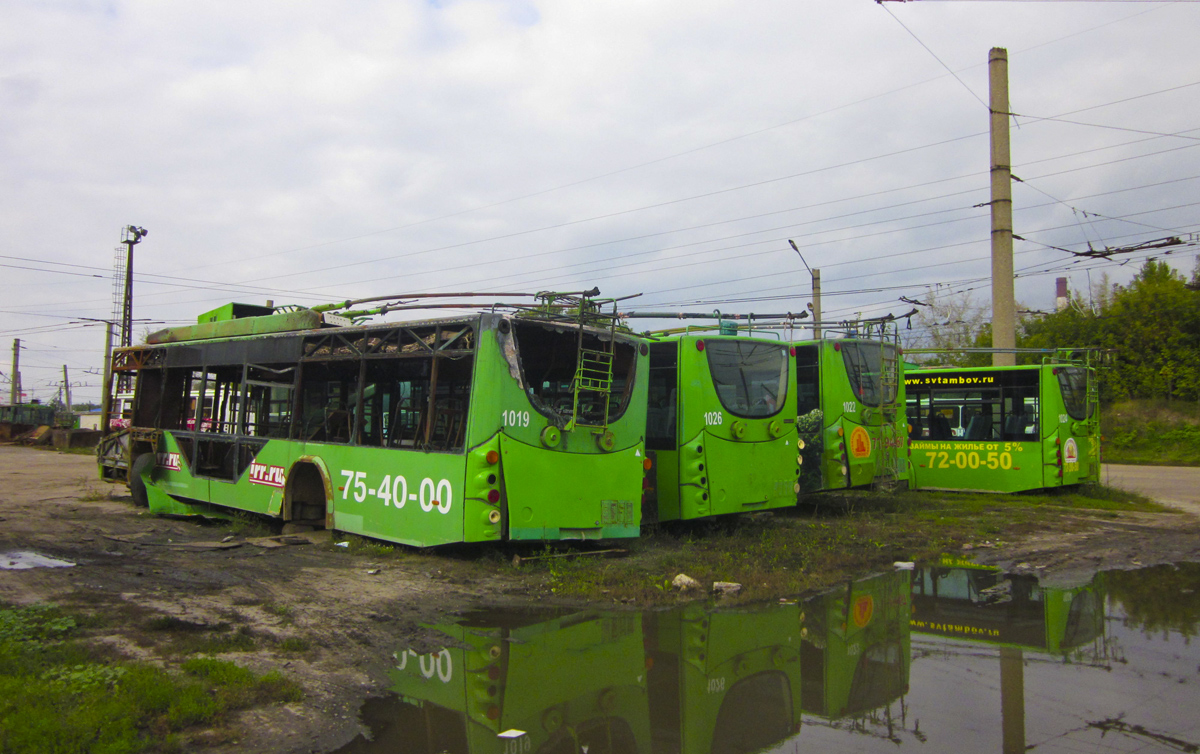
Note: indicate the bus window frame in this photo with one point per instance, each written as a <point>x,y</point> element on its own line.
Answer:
<point>715,345</point>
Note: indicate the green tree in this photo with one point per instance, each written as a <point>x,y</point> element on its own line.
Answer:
<point>1152,326</point>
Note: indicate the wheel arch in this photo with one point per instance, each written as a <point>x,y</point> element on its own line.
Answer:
<point>308,483</point>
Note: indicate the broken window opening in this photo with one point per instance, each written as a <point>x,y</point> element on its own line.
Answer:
<point>549,360</point>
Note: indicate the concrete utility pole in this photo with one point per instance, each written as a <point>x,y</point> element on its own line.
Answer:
<point>1004,320</point>
<point>106,398</point>
<point>67,388</point>
<point>16,375</point>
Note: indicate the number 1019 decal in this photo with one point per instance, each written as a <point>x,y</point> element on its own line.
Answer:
<point>515,418</point>
<point>394,491</point>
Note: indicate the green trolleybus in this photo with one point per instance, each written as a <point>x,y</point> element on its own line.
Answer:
<point>850,402</point>
<point>1003,429</point>
<point>479,427</point>
<point>723,680</point>
<point>960,599</point>
<point>522,684</point>
<point>856,650</point>
<point>720,425</point>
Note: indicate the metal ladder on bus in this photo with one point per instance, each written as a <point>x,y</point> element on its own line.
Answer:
<point>593,378</point>
<point>887,464</point>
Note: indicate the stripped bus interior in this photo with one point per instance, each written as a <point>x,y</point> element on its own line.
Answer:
<point>413,386</point>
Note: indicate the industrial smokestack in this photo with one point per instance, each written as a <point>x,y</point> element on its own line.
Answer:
<point>1060,294</point>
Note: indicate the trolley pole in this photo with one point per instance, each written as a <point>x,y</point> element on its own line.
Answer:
<point>1004,324</point>
<point>16,375</point>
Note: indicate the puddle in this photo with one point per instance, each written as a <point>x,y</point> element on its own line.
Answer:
<point>951,657</point>
<point>17,561</point>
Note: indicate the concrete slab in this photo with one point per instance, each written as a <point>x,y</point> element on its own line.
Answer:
<point>1174,486</point>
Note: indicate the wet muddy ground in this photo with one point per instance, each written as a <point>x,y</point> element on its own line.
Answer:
<point>352,608</point>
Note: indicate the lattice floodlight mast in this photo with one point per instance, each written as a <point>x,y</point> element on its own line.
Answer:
<point>131,235</point>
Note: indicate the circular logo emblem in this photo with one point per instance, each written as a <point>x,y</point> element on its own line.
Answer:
<point>864,608</point>
<point>1070,451</point>
<point>860,443</point>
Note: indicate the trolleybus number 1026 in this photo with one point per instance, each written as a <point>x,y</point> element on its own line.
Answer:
<point>394,491</point>
<point>965,460</point>
<point>713,418</point>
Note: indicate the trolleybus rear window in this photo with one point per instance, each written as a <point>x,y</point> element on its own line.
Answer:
<point>864,364</point>
<point>1073,383</point>
<point>550,359</point>
<point>750,377</point>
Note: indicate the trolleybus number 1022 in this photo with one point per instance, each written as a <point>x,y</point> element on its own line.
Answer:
<point>965,460</point>
<point>394,491</point>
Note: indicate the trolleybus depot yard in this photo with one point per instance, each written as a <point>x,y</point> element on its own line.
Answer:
<point>556,422</point>
<point>536,422</point>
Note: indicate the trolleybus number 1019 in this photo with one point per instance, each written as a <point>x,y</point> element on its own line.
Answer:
<point>965,460</point>
<point>515,418</point>
<point>395,491</point>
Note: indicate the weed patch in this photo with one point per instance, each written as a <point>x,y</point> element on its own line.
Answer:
<point>60,694</point>
<point>1156,433</point>
<point>835,537</point>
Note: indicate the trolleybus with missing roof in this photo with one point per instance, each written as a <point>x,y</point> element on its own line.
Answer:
<point>1004,429</point>
<point>720,423</point>
<point>850,407</point>
<point>478,427</point>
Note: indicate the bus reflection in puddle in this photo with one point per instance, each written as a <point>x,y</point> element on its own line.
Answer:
<point>982,649</point>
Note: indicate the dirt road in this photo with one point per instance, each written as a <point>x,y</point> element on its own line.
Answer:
<point>1174,486</point>
<point>352,610</point>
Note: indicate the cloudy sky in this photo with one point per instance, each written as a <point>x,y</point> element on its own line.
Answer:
<point>309,152</point>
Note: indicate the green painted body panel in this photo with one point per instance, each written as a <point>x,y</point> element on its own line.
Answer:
<point>567,498</point>
<point>234,328</point>
<point>545,679</point>
<point>857,648</point>
<point>1021,613</point>
<point>724,463</point>
<point>666,481</point>
<point>713,658</point>
<point>997,464</point>
<point>577,488</point>
<point>848,443</point>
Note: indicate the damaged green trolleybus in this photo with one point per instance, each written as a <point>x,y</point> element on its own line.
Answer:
<point>523,423</point>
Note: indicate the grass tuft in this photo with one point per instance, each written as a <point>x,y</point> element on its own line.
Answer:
<point>60,695</point>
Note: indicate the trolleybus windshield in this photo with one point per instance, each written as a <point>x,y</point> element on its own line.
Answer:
<point>750,377</point>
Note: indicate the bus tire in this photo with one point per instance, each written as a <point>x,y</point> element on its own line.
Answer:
<point>137,485</point>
